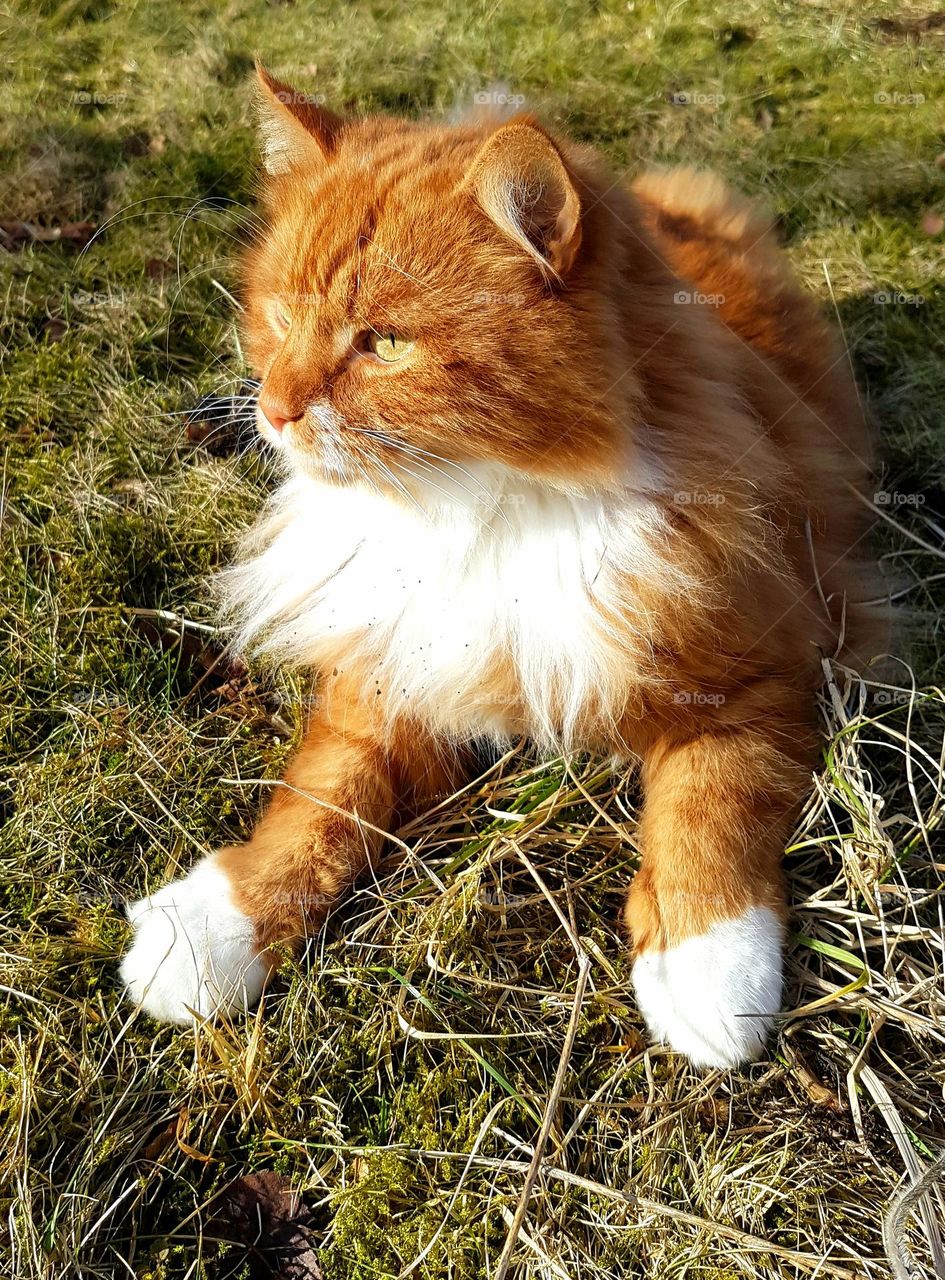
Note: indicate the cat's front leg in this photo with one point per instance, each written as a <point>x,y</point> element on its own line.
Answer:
<point>195,950</point>
<point>707,907</point>
<point>203,943</point>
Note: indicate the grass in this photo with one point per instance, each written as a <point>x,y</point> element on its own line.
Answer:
<point>400,1074</point>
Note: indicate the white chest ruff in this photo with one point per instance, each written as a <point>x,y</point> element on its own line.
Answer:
<point>434,599</point>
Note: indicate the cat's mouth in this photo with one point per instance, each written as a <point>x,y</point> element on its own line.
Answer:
<point>323,444</point>
<point>326,446</point>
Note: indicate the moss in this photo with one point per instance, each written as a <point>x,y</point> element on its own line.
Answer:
<point>381,1224</point>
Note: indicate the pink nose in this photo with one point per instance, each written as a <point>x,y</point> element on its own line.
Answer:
<point>277,415</point>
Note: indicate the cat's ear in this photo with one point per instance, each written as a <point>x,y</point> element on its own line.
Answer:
<point>521,182</point>
<point>293,127</point>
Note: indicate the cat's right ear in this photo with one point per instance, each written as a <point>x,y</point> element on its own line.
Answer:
<point>293,127</point>
<point>520,180</point>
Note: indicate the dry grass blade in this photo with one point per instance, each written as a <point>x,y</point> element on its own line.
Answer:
<point>518,1218</point>
<point>923,1180</point>
<point>903,1265</point>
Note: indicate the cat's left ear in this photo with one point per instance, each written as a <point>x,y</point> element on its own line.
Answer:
<point>294,128</point>
<point>520,180</point>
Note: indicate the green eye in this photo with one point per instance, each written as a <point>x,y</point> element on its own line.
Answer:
<point>390,347</point>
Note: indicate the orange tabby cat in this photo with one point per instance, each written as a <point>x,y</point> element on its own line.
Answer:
<point>565,460</point>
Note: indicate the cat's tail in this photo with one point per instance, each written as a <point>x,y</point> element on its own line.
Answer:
<point>692,204</point>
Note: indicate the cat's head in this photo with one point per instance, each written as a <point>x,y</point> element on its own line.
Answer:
<point>425,299</point>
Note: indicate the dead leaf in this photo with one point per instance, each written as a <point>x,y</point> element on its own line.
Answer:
<point>224,425</point>
<point>819,1094</point>
<point>715,1111</point>
<point>632,1042</point>
<point>136,144</point>
<point>222,674</point>
<point>172,632</point>
<point>275,1225</point>
<point>161,1143</point>
<point>909,28</point>
<point>733,37</point>
<point>181,1129</point>
<point>13,235</point>
<point>133,492</point>
<point>158,268</point>
<point>55,328</point>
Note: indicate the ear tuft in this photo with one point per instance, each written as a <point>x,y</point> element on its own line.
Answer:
<point>521,181</point>
<point>293,126</point>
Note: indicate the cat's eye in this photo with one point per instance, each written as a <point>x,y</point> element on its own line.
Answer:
<point>389,347</point>
<point>282,314</point>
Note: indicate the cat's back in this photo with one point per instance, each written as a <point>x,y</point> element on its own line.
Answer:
<point>793,371</point>
<point>727,247</point>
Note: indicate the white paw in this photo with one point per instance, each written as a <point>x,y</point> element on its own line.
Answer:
<point>193,950</point>
<point>713,997</point>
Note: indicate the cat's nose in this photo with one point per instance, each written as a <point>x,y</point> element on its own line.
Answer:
<point>276,414</point>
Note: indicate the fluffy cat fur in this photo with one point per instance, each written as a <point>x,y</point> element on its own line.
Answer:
<point>607,496</point>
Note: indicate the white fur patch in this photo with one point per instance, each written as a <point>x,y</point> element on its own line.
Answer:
<point>492,568</point>
<point>193,949</point>
<point>712,997</point>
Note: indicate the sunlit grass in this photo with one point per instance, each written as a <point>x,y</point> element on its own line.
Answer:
<point>400,1072</point>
